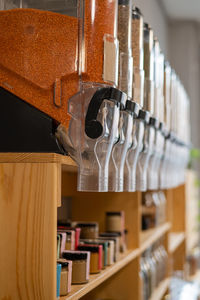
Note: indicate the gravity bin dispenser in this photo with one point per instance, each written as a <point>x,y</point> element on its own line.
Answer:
<point>147,112</point>
<point>128,116</point>
<point>158,145</point>
<point>137,48</point>
<point>58,82</point>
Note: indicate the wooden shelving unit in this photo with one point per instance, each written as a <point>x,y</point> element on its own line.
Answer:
<point>150,236</point>
<point>161,290</point>
<point>175,240</point>
<point>31,188</point>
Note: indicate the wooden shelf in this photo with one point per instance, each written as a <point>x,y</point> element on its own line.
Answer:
<point>79,291</point>
<point>175,239</point>
<point>36,158</point>
<point>31,188</point>
<point>192,240</point>
<point>160,290</point>
<point>196,276</point>
<point>148,210</point>
<point>148,237</point>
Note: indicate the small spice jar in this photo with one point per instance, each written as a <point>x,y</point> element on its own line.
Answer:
<point>58,275</point>
<point>70,240</point>
<point>66,276</point>
<point>95,257</point>
<point>111,249</point>
<point>114,237</point>
<point>58,245</point>
<point>63,228</point>
<point>115,221</point>
<point>104,245</point>
<point>80,265</point>
<point>62,236</point>
<point>88,230</point>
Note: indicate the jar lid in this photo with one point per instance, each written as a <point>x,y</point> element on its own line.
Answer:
<point>123,2</point>
<point>90,248</point>
<point>74,256</point>
<point>111,234</point>
<point>64,223</point>
<point>114,213</point>
<point>63,262</point>
<point>94,242</point>
<point>86,225</point>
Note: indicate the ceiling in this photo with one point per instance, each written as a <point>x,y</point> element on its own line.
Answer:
<point>182,9</point>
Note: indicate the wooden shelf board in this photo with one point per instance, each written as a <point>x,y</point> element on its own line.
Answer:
<point>160,290</point>
<point>192,240</point>
<point>38,158</point>
<point>148,210</point>
<point>148,237</point>
<point>175,239</point>
<point>79,291</point>
<point>196,276</point>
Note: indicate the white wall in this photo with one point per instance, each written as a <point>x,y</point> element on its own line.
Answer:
<point>185,58</point>
<point>154,15</point>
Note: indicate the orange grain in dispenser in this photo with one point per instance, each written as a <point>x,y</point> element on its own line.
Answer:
<point>99,52</point>
<point>38,59</point>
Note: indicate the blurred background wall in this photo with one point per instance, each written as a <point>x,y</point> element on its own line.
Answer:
<point>177,26</point>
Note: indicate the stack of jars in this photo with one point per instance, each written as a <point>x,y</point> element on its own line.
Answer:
<point>97,71</point>
<point>153,269</point>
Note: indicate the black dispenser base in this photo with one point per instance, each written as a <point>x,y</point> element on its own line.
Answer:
<point>23,128</point>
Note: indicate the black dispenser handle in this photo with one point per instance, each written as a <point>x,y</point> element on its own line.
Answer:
<point>93,128</point>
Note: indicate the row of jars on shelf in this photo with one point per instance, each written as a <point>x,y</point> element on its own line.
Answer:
<point>128,122</point>
<point>83,250</point>
<point>153,269</point>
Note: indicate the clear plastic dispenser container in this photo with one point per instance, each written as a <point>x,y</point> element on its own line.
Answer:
<point>178,140</point>
<point>95,111</point>
<point>167,121</point>
<point>181,130</point>
<point>158,116</point>
<point>130,112</point>
<point>148,109</point>
<point>63,60</point>
<point>138,97</point>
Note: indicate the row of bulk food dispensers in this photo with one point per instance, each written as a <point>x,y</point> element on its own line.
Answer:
<point>88,79</point>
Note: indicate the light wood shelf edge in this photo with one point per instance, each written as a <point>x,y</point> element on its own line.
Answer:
<point>175,239</point>
<point>79,291</point>
<point>196,276</point>
<point>38,158</point>
<point>160,290</point>
<point>150,236</point>
<point>192,241</point>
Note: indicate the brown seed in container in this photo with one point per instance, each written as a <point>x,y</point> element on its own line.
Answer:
<point>138,56</point>
<point>148,52</point>
<point>137,39</point>
<point>124,37</point>
<point>38,51</point>
<point>100,19</point>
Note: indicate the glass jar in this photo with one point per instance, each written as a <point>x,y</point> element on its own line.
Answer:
<point>88,230</point>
